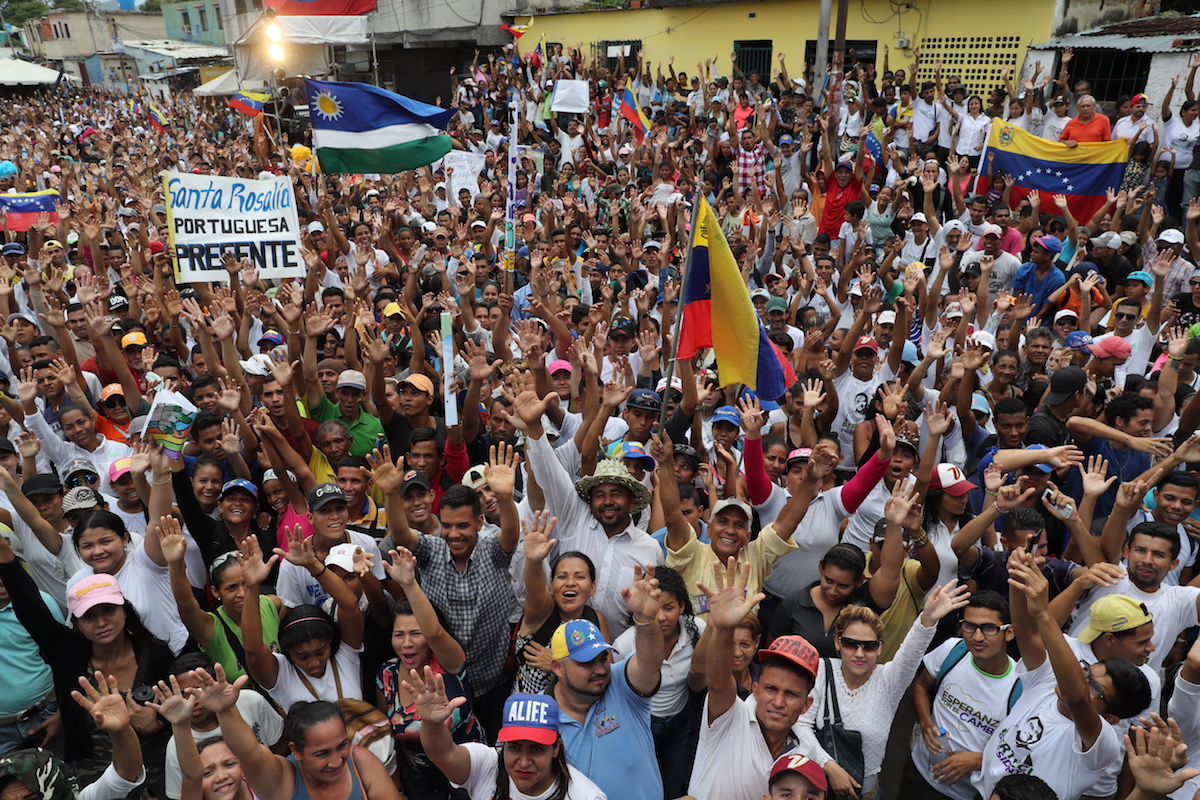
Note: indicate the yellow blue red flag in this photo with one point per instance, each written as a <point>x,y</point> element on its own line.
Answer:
<point>249,103</point>
<point>1083,173</point>
<point>717,313</point>
<point>21,211</point>
<point>633,114</point>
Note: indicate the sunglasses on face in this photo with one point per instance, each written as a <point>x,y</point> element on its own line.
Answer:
<point>113,402</point>
<point>1127,316</point>
<point>82,479</point>
<point>868,646</point>
<point>1193,283</point>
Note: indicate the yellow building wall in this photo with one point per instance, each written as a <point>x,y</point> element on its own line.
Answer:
<point>976,38</point>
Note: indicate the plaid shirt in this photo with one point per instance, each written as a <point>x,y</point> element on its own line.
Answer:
<point>477,602</point>
<point>752,169</point>
<point>1177,277</point>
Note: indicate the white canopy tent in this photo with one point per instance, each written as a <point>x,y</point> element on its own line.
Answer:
<point>223,85</point>
<point>14,72</point>
<point>306,43</point>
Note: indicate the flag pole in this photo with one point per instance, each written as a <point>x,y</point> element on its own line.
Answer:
<point>669,373</point>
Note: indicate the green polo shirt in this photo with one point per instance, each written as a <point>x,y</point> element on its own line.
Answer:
<point>365,432</point>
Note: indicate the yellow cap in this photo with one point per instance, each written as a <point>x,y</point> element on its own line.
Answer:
<point>391,309</point>
<point>1114,614</point>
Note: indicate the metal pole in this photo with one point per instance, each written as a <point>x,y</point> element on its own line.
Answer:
<point>821,59</point>
<point>839,59</point>
<point>669,373</point>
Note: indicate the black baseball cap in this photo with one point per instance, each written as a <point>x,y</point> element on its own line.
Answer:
<point>324,494</point>
<point>1064,383</point>
<point>414,477</point>
<point>41,484</point>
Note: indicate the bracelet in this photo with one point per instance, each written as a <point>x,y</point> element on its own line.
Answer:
<point>157,483</point>
<point>635,620</point>
<point>325,568</point>
<point>924,540</point>
<point>989,491</point>
<point>293,333</point>
<point>1175,358</point>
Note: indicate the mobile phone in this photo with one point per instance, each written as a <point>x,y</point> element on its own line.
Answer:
<point>1034,541</point>
<point>1065,511</point>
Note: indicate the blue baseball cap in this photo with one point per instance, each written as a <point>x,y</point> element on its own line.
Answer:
<point>727,414</point>
<point>1050,243</point>
<point>635,450</point>
<point>578,640</point>
<point>1140,275</point>
<point>979,403</point>
<point>785,139</point>
<point>530,718</point>
<point>239,483</point>
<point>1044,466</point>
<point>13,249</point>
<point>644,399</point>
<point>1078,340</point>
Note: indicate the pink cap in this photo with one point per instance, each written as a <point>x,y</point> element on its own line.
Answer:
<point>119,467</point>
<point>92,591</point>
<point>1111,346</point>
<point>559,365</point>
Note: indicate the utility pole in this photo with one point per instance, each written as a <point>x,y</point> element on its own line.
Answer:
<point>821,58</point>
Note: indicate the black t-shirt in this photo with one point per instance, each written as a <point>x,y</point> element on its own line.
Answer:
<point>1045,428</point>
<point>1189,312</point>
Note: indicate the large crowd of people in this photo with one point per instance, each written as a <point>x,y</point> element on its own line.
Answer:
<point>556,564</point>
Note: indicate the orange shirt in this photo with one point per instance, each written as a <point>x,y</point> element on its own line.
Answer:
<point>1098,130</point>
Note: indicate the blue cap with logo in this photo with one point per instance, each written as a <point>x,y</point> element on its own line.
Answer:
<point>1044,466</point>
<point>727,414</point>
<point>530,718</point>
<point>578,640</point>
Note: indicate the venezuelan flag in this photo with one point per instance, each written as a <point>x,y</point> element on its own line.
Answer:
<point>22,210</point>
<point>535,58</point>
<point>517,30</point>
<point>1082,173</point>
<point>249,103</point>
<point>157,118</point>
<point>634,114</point>
<point>717,313</point>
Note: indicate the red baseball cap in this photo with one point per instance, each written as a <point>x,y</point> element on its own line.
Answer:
<point>801,765</point>
<point>951,480</point>
<point>795,649</point>
<point>867,343</point>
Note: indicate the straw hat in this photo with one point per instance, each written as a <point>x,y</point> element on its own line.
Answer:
<point>612,470</point>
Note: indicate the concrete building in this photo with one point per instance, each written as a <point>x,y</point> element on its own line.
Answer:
<point>191,21</point>
<point>77,40</point>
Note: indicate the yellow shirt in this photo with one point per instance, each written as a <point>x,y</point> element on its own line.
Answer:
<point>904,610</point>
<point>694,561</point>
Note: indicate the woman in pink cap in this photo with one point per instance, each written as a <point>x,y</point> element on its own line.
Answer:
<point>104,633</point>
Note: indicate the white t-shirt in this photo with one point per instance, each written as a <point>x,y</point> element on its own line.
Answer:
<point>732,758</point>
<point>1141,342</point>
<point>854,397</point>
<point>297,586</point>
<point>481,783</point>
<point>148,587</point>
<point>862,522</point>
<point>262,719</point>
<point>1004,269</point>
<point>1053,126</point>
<point>1173,609</point>
<point>1183,138</point>
<point>1184,708</point>
<point>1127,127</point>
<point>672,694</point>
<point>290,689</point>
<point>969,704</point>
<point>1038,739</point>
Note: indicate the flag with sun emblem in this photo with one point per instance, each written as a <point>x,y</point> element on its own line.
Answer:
<point>362,128</point>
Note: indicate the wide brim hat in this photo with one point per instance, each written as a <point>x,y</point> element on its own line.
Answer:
<point>614,471</point>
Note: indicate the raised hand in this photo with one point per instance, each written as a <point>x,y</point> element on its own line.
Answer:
<point>104,702</point>
<point>537,542</point>
<point>217,694</point>
<point>429,696</point>
<point>944,600</point>
<point>255,569</point>
<point>403,566</point>
<point>171,539</point>
<point>172,703</point>
<point>728,603</point>
<point>501,470</point>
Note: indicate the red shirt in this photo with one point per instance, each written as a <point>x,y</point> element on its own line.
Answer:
<point>836,198</point>
<point>1098,130</point>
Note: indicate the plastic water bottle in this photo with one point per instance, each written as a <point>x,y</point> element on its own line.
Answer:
<point>944,738</point>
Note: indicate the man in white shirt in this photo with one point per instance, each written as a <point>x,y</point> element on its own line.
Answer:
<point>1062,729</point>
<point>741,739</point>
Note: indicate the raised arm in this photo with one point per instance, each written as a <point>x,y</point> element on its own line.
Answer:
<point>728,605</point>
<point>402,569</point>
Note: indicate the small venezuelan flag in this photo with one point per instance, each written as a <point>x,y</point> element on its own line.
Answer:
<point>157,118</point>
<point>1083,173</point>
<point>716,300</point>
<point>517,30</point>
<point>634,114</point>
<point>249,103</point>
<point>22,210</point>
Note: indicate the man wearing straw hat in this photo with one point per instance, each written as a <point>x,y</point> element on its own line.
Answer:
<point>595,514</point>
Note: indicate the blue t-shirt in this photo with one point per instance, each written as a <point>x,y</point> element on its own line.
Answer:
<point>613,746</point>
<point>1125,464</point>
<point>1027,282</point>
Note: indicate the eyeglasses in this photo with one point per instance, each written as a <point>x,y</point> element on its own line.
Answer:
<point>1095,687</point>
<point>1127,316</point>
<point>82,479</point>
<point>1193,283</point>
<point>988,628</point>
<point>113,402</point>
<point>868,646</point>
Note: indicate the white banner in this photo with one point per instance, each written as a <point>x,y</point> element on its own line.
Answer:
<point>467,167</point>
<point>210,215</point>
<point>570,97</point>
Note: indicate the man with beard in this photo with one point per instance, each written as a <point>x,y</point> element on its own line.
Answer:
<point>595,514</point>
<point>1151,552</point>
<point>605,719</point>
<point>466,572</point>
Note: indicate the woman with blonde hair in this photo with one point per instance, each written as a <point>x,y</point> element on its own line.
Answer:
<point>865,695</point>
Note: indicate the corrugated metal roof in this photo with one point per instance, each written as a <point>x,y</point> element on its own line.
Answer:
<point>177,49</point>
<point>1159,34</point>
